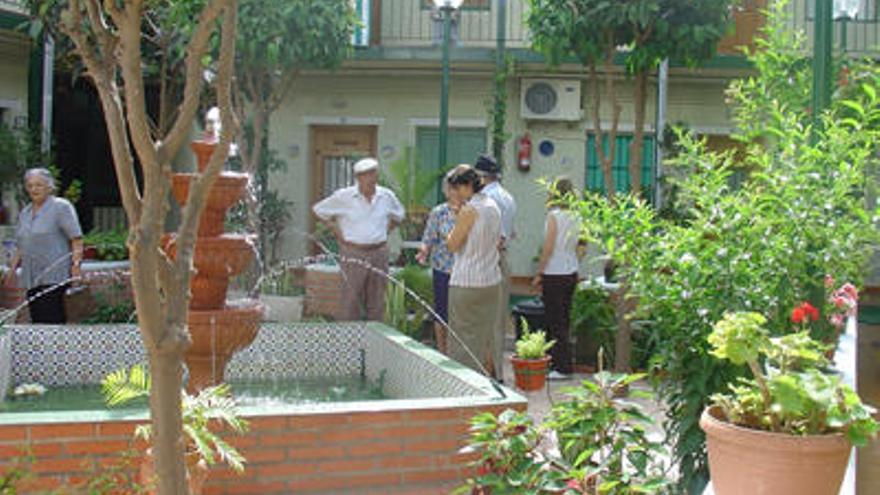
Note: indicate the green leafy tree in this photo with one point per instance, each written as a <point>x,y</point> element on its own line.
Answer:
<point>277,40</point>
<point>592,31</point>
<point>112,42</point>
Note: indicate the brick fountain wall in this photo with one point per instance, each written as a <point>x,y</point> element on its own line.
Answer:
<point>399,452</point>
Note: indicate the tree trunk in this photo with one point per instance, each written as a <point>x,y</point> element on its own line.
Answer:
<point>606,160</point>
<point>636,147</point>
<point>623,306</point>
<point>165,408</point>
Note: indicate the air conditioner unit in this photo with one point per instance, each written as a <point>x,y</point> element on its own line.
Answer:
<point>550,99</point>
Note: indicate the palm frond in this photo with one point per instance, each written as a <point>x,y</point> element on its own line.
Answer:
<point>123,385</point>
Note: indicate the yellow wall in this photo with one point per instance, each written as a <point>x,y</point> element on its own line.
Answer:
<point>398,102</point>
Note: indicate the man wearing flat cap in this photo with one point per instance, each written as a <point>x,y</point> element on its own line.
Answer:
<point>490,173</point>
<point>361,216</point>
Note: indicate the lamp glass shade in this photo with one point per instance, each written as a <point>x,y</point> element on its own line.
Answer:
<point>448,4</point>
<point>846,9</point>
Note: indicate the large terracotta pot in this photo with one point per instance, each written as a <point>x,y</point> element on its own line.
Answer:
<point>530,374</point>
<point>196,473</point>
<point>753,462</point>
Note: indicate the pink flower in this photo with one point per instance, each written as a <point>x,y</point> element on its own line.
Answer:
<point>850,290</point>
<point>837,320</point>
<point>829,281</point>
<point>841,302</point>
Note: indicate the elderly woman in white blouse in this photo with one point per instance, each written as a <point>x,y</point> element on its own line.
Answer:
<point>50,248</point>
<point>475,282</point>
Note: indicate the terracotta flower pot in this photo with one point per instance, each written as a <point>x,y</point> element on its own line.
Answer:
<point>754,462</point>
<point>196,473</point>
<point>530,374</point>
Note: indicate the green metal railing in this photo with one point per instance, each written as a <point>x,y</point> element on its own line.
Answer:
<point>858,37</point>
<point>415,23</point>
<point>476,24</point>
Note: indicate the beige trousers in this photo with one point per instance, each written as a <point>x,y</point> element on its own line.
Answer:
<point>363,289</point>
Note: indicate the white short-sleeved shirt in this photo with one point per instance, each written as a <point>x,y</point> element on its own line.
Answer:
<point>563,260</point>
<point>44,242</point>
<point>361,221</point>
<point>506,204</point>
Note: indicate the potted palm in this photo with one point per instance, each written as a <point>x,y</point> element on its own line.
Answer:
<point>213,407</point>
<point>531,362</point>
<point>413,184</point>
<point>788,429</point>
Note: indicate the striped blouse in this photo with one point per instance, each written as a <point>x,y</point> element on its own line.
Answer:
<point>477,261</point>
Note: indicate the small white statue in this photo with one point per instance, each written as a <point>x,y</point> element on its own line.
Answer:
<point>212,124</point>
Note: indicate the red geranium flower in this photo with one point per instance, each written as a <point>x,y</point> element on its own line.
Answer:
<point>804,312</point>
<point>798,315</point>
<point>810,311</point>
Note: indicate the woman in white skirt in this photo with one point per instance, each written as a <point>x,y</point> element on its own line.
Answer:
<point>475,282</point>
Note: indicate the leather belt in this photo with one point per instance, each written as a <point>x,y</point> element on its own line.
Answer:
<point>365,247</point>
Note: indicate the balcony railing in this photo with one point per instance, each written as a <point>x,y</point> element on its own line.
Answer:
<point>416,23</point>
<point>16,6</point>
<point>858,37</point>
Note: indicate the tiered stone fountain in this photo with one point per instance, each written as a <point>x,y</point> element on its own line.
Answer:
<point>218,328</point>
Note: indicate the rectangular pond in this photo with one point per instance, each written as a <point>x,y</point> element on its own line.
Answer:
<point>334,407</point>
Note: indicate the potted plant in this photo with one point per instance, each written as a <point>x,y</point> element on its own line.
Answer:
<point>106,245</point>
<point>791,427</point>
<point>212,408</point>
<point>531,362</point>
<point>412,183</point>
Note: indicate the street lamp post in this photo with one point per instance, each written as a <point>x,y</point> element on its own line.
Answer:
<point>446,7</point>
<point>821,57</point>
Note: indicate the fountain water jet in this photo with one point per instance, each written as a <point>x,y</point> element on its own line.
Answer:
<point>218,328</point>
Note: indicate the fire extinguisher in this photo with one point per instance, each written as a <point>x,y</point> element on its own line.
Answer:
<point>524,157</point>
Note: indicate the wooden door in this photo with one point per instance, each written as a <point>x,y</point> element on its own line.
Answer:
<point>334,149</point>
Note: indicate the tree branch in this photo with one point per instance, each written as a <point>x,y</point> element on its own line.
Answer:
<point>194,81</point>
<point>280,91</point>
<point>199,189</point>
<point>102,73</point>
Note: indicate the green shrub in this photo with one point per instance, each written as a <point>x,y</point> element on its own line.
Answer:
<point>797,215</point>
<point>603,446</point>
<point>110,245</point>
<point>403,311</point>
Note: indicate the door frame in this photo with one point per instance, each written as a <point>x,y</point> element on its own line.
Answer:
<point>319,148</point>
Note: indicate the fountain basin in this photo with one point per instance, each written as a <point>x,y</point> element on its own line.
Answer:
<point>407,442</point>
<point>215,260</point>
<point>216,335</point>
<point>227,189</point>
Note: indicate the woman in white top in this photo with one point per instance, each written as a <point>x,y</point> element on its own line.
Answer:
<point>558,274</point>
<point>475,281</point>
